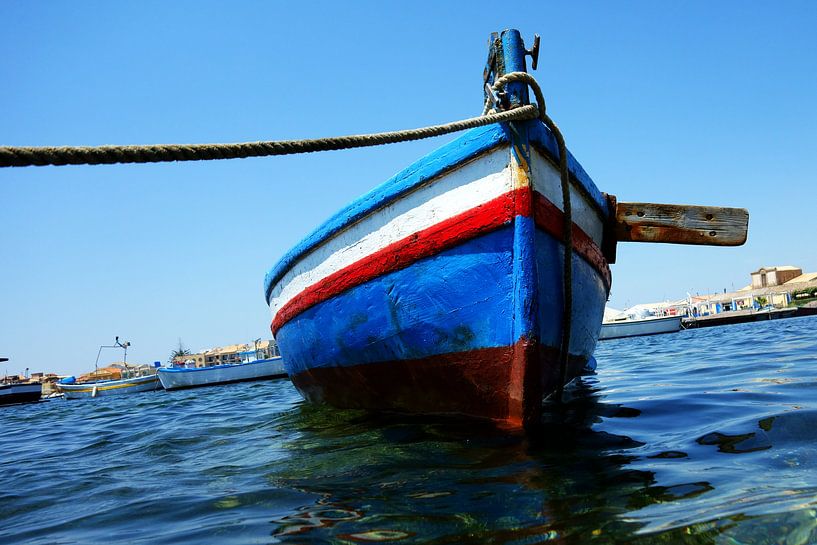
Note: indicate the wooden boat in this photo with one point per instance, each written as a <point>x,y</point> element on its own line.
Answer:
<point>20,392</point>
<point>624,325</point>
<point>442,290</point>
<point>104,388</point>
<point>175,378</point>
<point>130,379</point>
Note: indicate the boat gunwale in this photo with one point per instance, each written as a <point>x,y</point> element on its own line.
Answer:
<point>456,153</point>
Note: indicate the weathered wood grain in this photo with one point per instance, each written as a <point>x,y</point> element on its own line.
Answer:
<point>681,224</point>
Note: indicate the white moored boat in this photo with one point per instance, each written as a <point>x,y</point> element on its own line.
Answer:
<point>621,324</point>
<point>176,378</point>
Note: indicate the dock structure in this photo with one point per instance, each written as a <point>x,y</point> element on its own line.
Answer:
<point>739,317</point>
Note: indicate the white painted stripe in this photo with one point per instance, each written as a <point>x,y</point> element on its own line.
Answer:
<point>547,181</point>
<point>473,184</point>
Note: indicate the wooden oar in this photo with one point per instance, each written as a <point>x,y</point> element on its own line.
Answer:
<point>680,224</point>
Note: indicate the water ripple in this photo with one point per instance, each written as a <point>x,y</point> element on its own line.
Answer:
<point>705,436</point>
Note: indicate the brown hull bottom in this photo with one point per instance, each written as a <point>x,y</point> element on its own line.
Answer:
<point>503,384</point>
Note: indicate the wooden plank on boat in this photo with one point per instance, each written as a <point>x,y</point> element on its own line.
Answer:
<point>681,224</point>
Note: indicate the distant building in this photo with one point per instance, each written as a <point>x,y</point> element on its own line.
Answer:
<point>771,286</point>
<point>234,353</point>
<point>195,359</point>
<point>803,279</point>
<point>766,277</point>
<point>49,382</point>
<point>224,355</point>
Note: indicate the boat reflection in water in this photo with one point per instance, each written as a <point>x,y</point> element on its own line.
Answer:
<point>562,482</point>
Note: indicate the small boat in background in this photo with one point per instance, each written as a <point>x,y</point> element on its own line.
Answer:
<point>618,324</point>
<point>73,389</point>
<point>113,380</point>
<point>20,392</point>
<point>178,377</point>
<point>13,390</point>
<point>256,362</point>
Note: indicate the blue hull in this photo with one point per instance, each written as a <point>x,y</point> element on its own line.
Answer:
<point>461,310</point>
<point>418,341</point>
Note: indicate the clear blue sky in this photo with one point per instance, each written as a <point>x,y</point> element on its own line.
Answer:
<point>678,102</point>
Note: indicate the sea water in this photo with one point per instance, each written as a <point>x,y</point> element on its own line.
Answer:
<point>704,436</point>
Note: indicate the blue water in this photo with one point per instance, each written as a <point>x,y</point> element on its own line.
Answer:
<point>705,436</point>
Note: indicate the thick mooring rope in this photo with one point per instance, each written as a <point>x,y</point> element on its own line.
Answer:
<point>11,156</point>
<point>567,310</point>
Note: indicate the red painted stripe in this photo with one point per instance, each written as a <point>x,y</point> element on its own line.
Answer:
<point>551,220</point>
<point>446,234</point>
